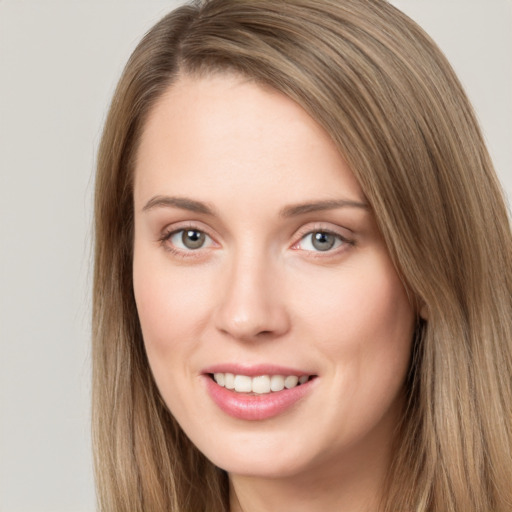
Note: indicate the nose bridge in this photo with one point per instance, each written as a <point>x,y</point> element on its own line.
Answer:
<point>250,300</point>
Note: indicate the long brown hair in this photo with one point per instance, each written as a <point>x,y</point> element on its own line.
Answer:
<point>391,102</point>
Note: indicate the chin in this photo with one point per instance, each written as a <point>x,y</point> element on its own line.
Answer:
<point>263,456</point>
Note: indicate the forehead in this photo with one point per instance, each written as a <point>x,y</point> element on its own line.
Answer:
<point>226,134</point>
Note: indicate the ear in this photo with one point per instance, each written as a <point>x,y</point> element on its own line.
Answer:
<point>423,311</point>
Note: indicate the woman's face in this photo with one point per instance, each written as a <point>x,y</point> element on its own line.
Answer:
<point>258,263</point>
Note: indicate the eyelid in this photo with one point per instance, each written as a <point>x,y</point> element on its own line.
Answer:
<point>174,227</point>
<point>300,234</point>
<point>207,239</point>
<point>169,231</point>
<point>310,229</point>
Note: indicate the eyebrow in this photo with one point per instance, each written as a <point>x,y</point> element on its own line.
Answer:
<point>178,202</point>
<point>192,205</point>
<point>330,204</point>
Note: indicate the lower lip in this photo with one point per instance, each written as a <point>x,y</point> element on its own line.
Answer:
<point>256,407</point>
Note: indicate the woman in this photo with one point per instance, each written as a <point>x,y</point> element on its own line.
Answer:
<point>303,271</point>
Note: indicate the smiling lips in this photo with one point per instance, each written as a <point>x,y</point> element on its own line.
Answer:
<point>258,397</point>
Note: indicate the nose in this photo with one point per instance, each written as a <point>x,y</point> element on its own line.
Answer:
<point>251,302</point>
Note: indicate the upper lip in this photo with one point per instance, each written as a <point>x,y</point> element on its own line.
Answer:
<point>254,370</point>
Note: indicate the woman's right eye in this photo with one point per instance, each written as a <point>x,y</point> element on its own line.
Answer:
<point>189,239</point>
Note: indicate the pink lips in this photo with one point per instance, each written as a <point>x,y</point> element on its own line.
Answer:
<point>255,407</point>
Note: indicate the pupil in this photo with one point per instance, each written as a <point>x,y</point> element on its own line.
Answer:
<point>193,239</point>
<point>323,241</point>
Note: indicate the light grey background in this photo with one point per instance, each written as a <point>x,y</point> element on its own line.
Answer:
<point>59,62</point>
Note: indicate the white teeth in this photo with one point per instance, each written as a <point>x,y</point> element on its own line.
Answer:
<point>219,379</point>
<point>229,381</point>
<point>261,384</point>
<point>277,383</point>
<point>243,384</point>
<point>291,381</point>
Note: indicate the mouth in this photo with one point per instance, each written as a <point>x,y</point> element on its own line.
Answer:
<point>260,384</point>
<point>258,392</point>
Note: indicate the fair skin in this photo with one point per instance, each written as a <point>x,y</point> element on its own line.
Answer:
<point>256,253</point>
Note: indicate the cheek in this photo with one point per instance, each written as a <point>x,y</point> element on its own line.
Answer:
<point>166,303</point>
<point>363,321</point>
<point>368,330</point>
<point>383,327</point>
<point>362,303</point>
<point>167,318</point>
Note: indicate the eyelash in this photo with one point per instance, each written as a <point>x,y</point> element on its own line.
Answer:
<point>164,240</point>
<point>343,241</point>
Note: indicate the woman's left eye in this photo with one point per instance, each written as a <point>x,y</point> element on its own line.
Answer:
<point>320,241</point>
<point>189,239</point>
